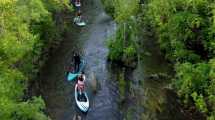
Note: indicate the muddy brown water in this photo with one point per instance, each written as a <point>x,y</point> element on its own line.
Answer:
<point>143,98</point>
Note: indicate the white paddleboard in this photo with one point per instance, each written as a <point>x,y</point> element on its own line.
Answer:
<point>80,23</point>
<point>84,104</point>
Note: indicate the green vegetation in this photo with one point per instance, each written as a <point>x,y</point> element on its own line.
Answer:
<point>123,46</point>
<point>122,86</point>
<point>185,30</point>
<point>26,31</point>
<point>109,6</point>
<point>186,35</point>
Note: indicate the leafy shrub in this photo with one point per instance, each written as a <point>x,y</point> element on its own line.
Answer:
<point>199,102</point>
<point>116,50</point>
<point>124,12</point>
<point>130,51</point>
<point>122,44</point>
<point>109,6</point>
<point>26,28</point>
<point>185,31</point>
<point>192,78</point>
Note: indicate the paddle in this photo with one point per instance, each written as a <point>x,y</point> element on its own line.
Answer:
<point>72,76</point>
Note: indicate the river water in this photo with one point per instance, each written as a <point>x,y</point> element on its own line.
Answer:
<point>91,42</point>
<point>144,96</point>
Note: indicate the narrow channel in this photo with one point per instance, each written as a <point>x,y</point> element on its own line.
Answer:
<point>91,42</point>
<point>145,96</point>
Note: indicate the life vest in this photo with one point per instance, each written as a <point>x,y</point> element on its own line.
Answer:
<point>81,85</point>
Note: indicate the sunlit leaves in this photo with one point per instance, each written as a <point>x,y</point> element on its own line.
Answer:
<point>15,44</point>
<point>192,78</point>
<point>199,102</point>
<point>186,33</point>
<point>31,109</point>
<point>124,9</point>
<point>24,29</point>
<point>196,82</point>
<point>12,83</point>
<point>211,88</point>
<point>57,5</point>
<point>160,10</point>
<point>31,10</point>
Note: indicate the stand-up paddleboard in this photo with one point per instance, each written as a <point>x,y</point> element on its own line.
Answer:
<point>82,101</point>
<point>75,19</point>
<point>79,22</point>
<point>72,75</point>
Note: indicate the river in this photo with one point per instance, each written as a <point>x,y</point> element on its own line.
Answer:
<point>143,98</point>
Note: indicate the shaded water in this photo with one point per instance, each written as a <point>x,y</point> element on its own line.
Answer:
<point>150,95</point>
<point>141,98</point>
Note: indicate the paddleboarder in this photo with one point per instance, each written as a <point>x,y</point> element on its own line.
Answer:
<point>77,6</point>
<point>81,97</point>
<point>78,16</point>
<point>81,80</point>
<point>77,60</point>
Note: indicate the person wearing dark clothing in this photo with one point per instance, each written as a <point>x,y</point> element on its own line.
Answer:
<point>77,60</point>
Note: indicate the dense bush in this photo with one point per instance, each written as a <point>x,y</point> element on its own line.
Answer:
<point>109,6</point>
<point>26,28</point>
<point>123,44</point>
<point>195,82</point>
<point>185,30</point>
<point>186,35</point>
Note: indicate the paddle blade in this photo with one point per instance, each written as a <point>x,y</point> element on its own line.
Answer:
<point>71,76</point>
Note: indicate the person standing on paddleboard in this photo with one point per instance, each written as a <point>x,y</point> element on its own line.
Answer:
<point>77,60</point>
<point>77,5</point>
<point>81,85</point>
<point>78,20</point>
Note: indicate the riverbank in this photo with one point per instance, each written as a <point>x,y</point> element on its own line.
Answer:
<point>28,33</point>
<point>179,31</point>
